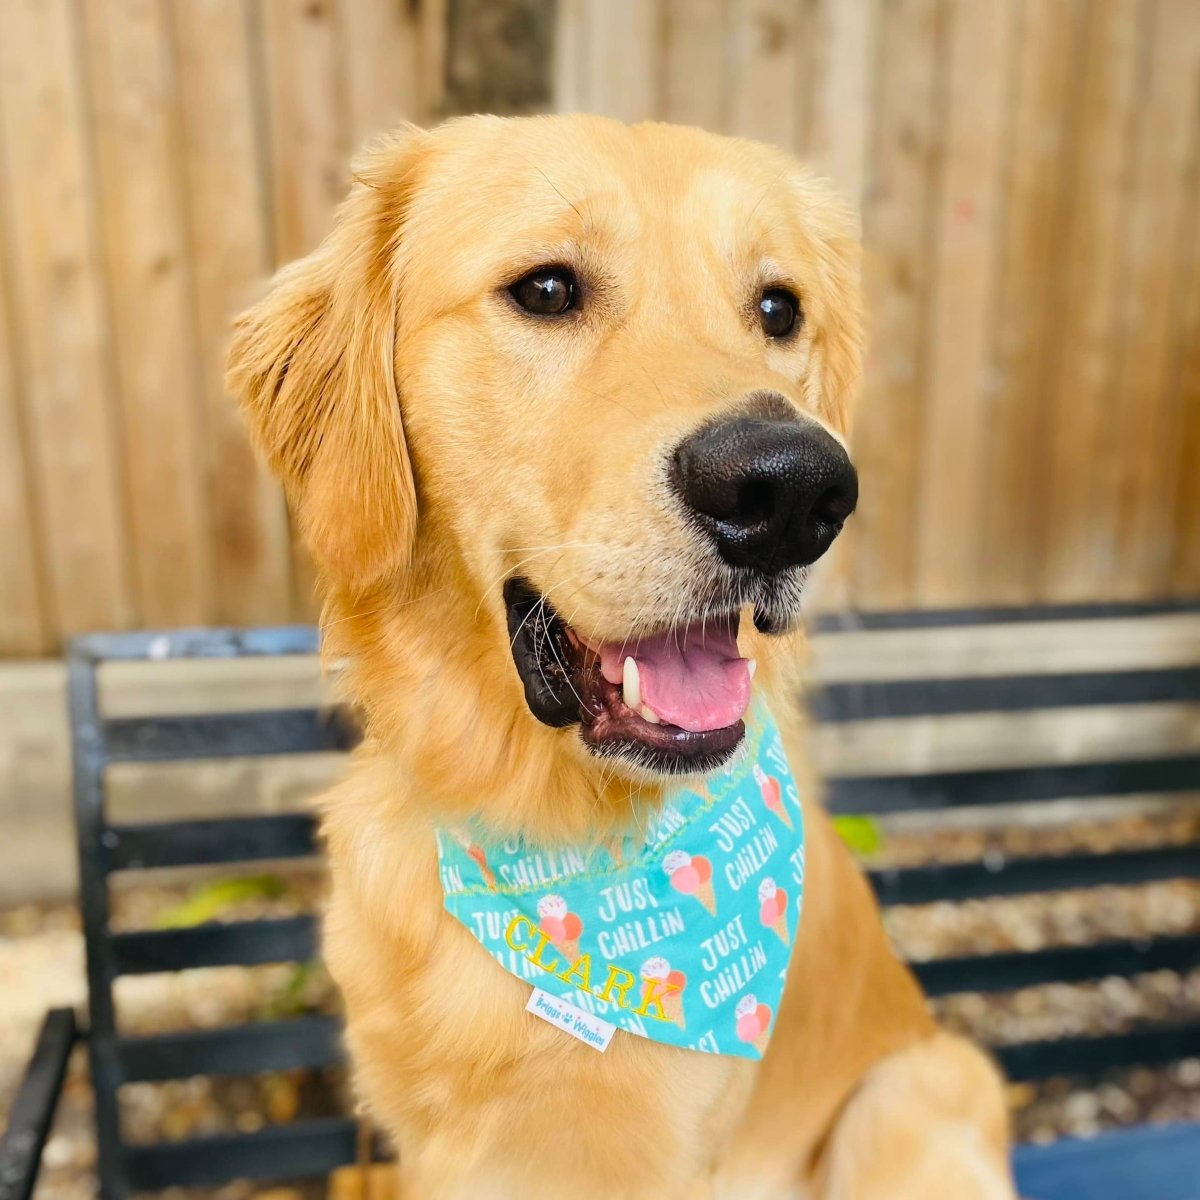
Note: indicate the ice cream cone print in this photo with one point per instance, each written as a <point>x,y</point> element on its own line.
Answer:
<point>772,794</point>
<point>476,853</point>
<point>691,875</point>
<point>704,893</point>
<point>753,1022</point>
<point>668,986</point>
<point>560,925</point>
<point>772,910</point>
<point>673,1006</point>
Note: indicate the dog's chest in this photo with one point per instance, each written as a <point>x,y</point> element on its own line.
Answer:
<point>448,1050</point>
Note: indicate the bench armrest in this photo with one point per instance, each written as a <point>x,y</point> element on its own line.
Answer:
<point>33,1108</point>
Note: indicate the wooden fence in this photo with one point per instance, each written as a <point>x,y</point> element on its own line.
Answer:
<point>1029,174</point>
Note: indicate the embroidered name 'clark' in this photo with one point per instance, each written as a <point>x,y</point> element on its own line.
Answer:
<point>617,984</point>
<point>663,931</point>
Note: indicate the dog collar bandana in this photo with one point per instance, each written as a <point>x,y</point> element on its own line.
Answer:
<point>683,937</point>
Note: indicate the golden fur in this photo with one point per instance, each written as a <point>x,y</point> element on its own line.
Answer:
<point>433,441</point>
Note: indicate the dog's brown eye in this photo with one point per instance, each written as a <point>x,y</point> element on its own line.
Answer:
<point>547,291</point>
<point>778,312</point>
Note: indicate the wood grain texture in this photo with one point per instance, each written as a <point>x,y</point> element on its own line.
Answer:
<point>962,302</point>
<point>1080,388</point>
<point>22,629</point>
<point>1140,468</point>
<point>310,145</point>
<point>385,84</point>
<point>229,233</point>
<point>1029,294</point>
<point>765,41</point>
<point>1184,577</point>
<point>59,318</point>
<point>896,279</point>
<point>696,88</point>
<point>1028,171</point>
<point>135,115</point>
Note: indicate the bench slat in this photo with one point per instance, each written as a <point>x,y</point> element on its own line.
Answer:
<point>158,645</point>
<point>889,699</point>
<point>1029,1061</point>
<point>198,843</point>
<point>302,1150</point>
<point>1044,873</point>
<point>1012,785</point>
<point>229,735</point>
<point>947,618</point>
<point>236,943</point>
<point>313,1041</point>
<point>1059,964</point>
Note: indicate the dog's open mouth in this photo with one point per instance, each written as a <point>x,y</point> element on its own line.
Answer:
<point>671,702</point>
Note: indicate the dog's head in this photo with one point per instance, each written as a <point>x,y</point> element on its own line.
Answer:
<point>557,403</point>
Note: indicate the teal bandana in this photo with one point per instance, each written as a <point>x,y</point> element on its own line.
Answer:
<point>683,936</point>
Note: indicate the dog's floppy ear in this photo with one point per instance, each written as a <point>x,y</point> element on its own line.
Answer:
<point>842,335</point>
<point>313,367</point>
<point>835,228</point>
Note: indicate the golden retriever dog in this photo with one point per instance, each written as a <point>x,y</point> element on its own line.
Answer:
<point>551,386</point>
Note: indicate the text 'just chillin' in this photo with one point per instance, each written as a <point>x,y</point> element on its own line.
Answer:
<point>579,973</point>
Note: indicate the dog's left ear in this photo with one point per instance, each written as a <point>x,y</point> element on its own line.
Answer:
<point>313,367</point>
<point>840,337</point>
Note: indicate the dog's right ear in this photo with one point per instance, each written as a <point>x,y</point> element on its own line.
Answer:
<point>313,367</point>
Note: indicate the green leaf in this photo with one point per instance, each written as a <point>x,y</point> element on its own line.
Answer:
<point>861,834</point>
<point>208,901</point>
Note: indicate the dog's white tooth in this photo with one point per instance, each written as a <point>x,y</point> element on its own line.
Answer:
<point>632,685</point>
<point>752,666</point>
<point>648,714</point>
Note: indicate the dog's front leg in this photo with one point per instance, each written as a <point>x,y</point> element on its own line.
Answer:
<point>926,1122</point>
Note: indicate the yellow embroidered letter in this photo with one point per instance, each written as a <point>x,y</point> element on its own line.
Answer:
<point>511,930</point>
<point>582,967</point>
<point>651,997</point>
<point>611,985</point>
<point>535,956</point>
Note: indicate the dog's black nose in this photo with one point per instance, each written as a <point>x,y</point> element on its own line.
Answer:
<point>771,494</point>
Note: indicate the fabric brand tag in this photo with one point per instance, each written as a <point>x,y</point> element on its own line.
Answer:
<point>564,1015</point>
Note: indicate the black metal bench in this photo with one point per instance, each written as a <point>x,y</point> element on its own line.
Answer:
<point>1151,1163</point>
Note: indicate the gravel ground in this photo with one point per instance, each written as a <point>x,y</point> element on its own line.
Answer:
<point>41,965</point>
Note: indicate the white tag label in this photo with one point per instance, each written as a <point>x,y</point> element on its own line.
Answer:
<point>571,1019</point>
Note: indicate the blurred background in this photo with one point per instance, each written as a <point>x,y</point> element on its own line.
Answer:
<point>1028,174</point>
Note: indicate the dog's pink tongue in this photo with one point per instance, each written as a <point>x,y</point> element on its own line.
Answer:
<point>692,678</point>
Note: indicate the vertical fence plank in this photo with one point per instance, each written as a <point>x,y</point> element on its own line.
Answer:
<point>695,84</point>
<point>307,120</point>
<point>1029,298</point>
<point>571,83</point>
<point>843,93</point>
<point>968,214</point>
<point>896,270</point>
<point>1138,464</point>
<point>59,317</point>
<point>385,81</point>
<point>835,137</point>
<point>310,146</point>
<point>22,629</point>
<point>229,234</point>
<point>765,39</point>
<point>135,118</point>
<point>621,42</point>
<point>1183,578</point>
<point>1080,389</point>
<point>1185,564</point>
